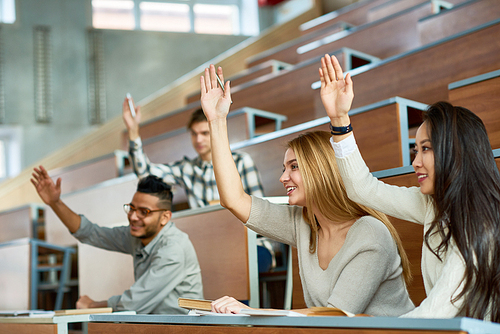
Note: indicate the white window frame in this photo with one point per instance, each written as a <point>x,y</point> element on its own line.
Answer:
<point>12,137</point>
<point>7,11</point>
<point>249,23</point>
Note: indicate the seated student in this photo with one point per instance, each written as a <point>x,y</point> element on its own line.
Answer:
<point>196,175</point>
<point>165,262</point>
<point>350,256</point>
<point>458,201</point>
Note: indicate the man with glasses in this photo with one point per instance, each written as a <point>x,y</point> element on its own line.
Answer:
<point>165,262</point>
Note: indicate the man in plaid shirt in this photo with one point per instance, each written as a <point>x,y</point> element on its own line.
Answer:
<point>196,175</point>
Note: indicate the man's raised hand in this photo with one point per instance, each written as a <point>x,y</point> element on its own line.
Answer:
<point>132,123</point>
<point>48,191</point>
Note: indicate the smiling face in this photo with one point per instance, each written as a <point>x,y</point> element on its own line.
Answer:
<point>423,164</point>
<point>200,137</point>
<point>148,227</point>
<point>292,180</point>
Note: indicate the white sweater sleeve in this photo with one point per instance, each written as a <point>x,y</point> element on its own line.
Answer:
<point>362,187</point>
<point>438,303</point>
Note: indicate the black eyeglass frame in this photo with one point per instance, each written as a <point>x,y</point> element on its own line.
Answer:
<point>129,208</point>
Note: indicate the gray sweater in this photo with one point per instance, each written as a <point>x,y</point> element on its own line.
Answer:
<point>365,276</point>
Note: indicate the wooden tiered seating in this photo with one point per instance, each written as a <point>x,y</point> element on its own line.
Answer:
<point>384,38</point>
<point>420,74</point>
<point>287,52</point>
<point>355,14</point>
<point>90,172</point>
<point>294,77</point>
<point>389,149</point>
<point>424,74</point>
<point>480,95</point>
<point>22,222</point>
<point>462,17</point>
<point>243,124</point>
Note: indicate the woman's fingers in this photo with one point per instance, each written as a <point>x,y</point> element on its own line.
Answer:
<point>337,69</point>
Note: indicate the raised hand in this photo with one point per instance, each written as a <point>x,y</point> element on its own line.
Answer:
<point>336,91</point>
<point>132,123</point>
<point>48,191</point>
<point>214,101</point>
<point>227,305</point>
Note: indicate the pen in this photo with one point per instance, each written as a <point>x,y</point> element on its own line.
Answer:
<point>221,84</point>
<point>130,104</point>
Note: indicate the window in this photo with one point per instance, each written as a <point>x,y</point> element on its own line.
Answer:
<point>224,17</point>
<point>7,11</point>
<point>216,19</point>
<point>113,14</point>
<point>165,16</point>
<point>10,151</point>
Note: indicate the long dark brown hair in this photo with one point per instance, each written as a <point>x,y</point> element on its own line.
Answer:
<point>467,203</point>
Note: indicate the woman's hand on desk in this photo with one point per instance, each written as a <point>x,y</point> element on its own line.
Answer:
<point>227,305</point>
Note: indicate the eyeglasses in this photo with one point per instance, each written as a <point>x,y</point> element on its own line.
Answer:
<point>140,212</point>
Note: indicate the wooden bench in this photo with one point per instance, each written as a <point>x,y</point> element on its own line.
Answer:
<point>162,124</point>
<point>288,92</point>
<point>244,123</point>
<point>349,58</point>
<point>384,38</point>
<point>390,148</point>
<point>226,252</point>
<point>355,14</point>
<point>251,73</point>
<point>422,74</point>
<point>23,222</point>
<point>88,173</point>
<point>287,52</point>
<point>480,94</point>
<point>462,17</point>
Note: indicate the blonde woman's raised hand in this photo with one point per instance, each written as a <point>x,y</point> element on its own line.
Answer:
<point>336,91</point>
<point>215,100</point>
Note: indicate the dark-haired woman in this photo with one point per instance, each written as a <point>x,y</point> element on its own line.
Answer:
<point>458,201</point>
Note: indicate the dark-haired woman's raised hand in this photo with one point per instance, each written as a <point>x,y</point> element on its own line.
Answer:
<point>336,91</point>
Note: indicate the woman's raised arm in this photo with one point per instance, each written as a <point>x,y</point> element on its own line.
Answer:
<point>215,103</point>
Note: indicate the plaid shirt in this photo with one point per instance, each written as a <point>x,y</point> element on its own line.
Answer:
<point>195,175</point>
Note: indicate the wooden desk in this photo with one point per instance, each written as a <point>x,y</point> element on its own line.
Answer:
<point>240,324</point>
<point>49,325</point>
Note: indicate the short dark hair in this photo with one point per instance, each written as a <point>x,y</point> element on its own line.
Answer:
<point>196,117</point>
<point>153,185</point>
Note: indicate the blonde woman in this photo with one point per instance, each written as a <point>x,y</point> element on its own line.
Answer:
<point>350,256</point>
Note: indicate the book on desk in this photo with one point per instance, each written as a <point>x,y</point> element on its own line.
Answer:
<point>205,306</point>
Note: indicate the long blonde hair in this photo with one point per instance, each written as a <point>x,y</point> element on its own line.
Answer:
<point>324,188</point>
